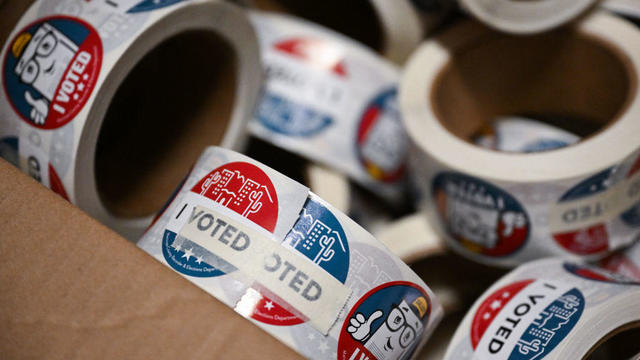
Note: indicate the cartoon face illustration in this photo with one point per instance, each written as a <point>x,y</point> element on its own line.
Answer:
<point>394,337</point>
<point>50,70</point>
<point>45,60</point>
<point>387,325</point>
<point>474,223</point>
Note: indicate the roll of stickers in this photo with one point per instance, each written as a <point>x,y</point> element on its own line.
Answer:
<point>92,105</point>
<point>292,264</point>
<point>507,208</point>
<point>332,101</point>
<point>526,17</point>
<point>547,309</point>
<point>391,28</point>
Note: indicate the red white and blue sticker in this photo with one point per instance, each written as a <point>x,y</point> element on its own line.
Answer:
<point>482,217</point>
<point>382,141</point>
<point>239,186</point>
<point>525,320</point>
<point>315,73</point>
<point>318,235</point>
<point>599,274</point>
<point>386,323</point>
<point>50,70</point>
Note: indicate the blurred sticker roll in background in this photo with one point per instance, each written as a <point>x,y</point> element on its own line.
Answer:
<point>391,28</point>
<point>230,207</point>
<point>94,108</point>
<point>331,100</point>
<point>504,208</point>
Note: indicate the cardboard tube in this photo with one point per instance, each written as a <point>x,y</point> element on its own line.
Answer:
<point>114,128</point>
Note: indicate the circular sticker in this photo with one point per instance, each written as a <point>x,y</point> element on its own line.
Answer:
<point>239,186</point>
<point>592,239</point>
<point>50,70</point>
<point>318,235</point>
<point>304,87</point>
<point>599,274</point>
<point>480,216</point>
<point>386,323</point>
<point>525,320</point>
<point>382,141</point>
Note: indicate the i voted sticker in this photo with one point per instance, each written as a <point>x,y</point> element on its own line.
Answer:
<point>304,88</point>
<point>317,235</point>
<point>50,70</point>
<point>386,323</point>
<point>480,216</point>
<point>239,186</point>
<point>525,320</point>
<point>382,140</point>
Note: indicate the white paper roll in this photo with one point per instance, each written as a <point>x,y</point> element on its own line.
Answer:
<point>547,309</point>
<point>259,203</point>
<point>506,208</point>
<point>71,64</point>
<point>526,16</point>
<point>330,100</point>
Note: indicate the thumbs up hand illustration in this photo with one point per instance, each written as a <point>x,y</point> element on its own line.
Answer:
<point>359,327</point>
<point>40,108</point>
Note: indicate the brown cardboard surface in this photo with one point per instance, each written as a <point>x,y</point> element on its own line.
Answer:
<point>72,289</point>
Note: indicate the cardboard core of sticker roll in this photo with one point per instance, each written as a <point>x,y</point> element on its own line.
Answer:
<point>566,78</point>
<point>357,18</point>
<point>175,101</point>
<point>622,343</point>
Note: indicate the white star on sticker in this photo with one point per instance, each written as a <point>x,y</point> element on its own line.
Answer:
<point>199,259</point>
<point>495,304</point>
<point>269,305</point>
<point>176,246</point>
<point>81,86</point>
<point>188,254</point>
<point>323,347</point>
<point>85,76</point>
<point>506,294</point>
<point>486,316</point>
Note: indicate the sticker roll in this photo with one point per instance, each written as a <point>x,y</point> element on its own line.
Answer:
<point>526,17</point>
<point>548,309</point>
<point>507,208</point>
<point>332,101</point>
<point>94,108</point>
<point>231,216</point>
<point>391,28</point>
